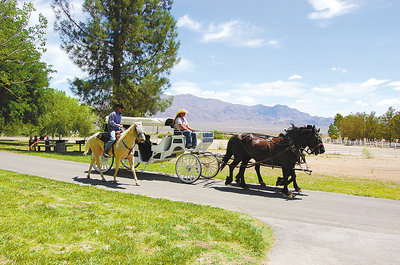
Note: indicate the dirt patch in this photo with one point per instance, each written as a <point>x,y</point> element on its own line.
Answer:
<point>359,162</point>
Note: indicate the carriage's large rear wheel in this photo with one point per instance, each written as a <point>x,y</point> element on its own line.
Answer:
<point>209,165</point>
<point>106,163</point>
<point>188,168</point>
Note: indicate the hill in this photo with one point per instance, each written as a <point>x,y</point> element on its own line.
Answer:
<point>213,114</point>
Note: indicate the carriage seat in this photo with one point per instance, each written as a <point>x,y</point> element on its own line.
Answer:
<point>178,132</point>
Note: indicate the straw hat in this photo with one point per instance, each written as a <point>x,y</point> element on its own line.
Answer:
<point>182,111</point>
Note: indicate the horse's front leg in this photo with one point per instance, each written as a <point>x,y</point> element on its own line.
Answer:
<point>240,175</point>
<point>260,179</point>
<point>286,172</point>
<point>293,178</point>
<point>130,159</point>
<point>117,160</point>
<point>232,166</point>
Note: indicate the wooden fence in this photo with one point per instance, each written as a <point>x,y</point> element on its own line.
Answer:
<point>380,144</point>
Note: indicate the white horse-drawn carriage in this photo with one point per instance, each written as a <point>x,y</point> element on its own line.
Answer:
<point>190,163</point>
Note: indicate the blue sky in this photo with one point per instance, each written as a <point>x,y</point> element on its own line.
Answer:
<point>319,56</point>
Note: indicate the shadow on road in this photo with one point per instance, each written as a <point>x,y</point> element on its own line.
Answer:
<point>257,190</point>
<point>141,175</point>
<point>217,184</point>
<point>99,182</point>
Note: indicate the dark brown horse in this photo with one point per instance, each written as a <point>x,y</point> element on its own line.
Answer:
<point>283,151</point>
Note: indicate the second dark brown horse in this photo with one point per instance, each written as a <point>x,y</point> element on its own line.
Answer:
<point>283,151</point>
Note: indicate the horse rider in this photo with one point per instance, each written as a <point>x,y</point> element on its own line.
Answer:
<point>181,124</point>
<point>114,126</point>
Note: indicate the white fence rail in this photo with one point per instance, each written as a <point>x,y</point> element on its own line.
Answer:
<point>363,143</point>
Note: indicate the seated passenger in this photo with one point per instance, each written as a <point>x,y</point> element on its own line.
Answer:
<point>181,124</point>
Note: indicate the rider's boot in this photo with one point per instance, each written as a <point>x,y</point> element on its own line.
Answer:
<point>107,147</point>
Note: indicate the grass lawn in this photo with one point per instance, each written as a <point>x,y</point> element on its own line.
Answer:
<point>50,222</point>
<point>353,186</point>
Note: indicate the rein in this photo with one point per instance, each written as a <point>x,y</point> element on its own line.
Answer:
<point>130,149</point>
<point>269,158</point>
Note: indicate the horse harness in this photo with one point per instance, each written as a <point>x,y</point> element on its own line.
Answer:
<point>130,149</point>
<point>295,149</point>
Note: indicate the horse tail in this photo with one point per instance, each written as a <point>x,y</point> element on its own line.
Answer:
<point>229,152</point>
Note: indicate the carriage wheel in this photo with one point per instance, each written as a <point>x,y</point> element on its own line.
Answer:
<point>188,168</point>
<point>209,165</point>
<point>106,163</point>
<point>125,163</point>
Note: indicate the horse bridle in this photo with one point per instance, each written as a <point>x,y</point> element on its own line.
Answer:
<point>306,149</point>
<point>309,150</point>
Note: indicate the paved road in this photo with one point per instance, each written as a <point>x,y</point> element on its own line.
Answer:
<point>313,228</point>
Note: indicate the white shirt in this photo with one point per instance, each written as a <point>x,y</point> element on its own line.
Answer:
<point>182,121</point>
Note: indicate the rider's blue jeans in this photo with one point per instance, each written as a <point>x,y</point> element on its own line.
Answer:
<point>191,138</point>
<point>111,141</point>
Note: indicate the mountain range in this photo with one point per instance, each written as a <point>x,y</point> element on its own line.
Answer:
<point>214,114</point>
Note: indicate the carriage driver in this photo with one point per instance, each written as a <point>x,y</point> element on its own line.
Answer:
<point>114,126</point>
<point>181,124</point>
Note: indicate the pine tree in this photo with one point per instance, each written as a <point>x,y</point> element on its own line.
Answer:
<point>126,47</point>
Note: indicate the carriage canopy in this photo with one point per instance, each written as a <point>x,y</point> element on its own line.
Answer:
<point>146,121</point>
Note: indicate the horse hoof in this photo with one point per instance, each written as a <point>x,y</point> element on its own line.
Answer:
<point>88,176</point>
<point>137,184</point>
<point>279,181</point>
<point>299,190</point>
<point>228,181</point>
<point>287,194</point>
<point>263,185</point>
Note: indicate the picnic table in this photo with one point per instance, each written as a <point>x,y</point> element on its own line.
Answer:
<point>80,142</point>
<point>59,145</point>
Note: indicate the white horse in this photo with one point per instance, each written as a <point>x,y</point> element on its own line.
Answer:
<point>121,149</point>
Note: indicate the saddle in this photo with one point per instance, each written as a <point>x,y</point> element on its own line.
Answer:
<point>105,136</point>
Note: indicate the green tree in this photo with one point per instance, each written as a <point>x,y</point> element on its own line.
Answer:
<point>338,122</point>
<point>371,126</point>
<point>64,115</point>
<point>353,126</point>
<point>396,126</point>
<point>333,131</point>
<point>126,47</point>
<point>23,78</point>
<point>388,124</point>
<point>84,121</point>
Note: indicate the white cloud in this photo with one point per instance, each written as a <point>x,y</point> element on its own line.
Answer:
<point>323,90</point>
<point>198,90</point>
<point>350,89</point>
<point>338,69</point>
<point>388,102</point>
<point>235,32</point>
<point>189,23</point>
<point>277,88</point>
<point>395,85</point>
<point>295,76</point>
<point>184,66</point>
<point>372,83</point>
<point>327,9</point>
<point>361,103</point>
